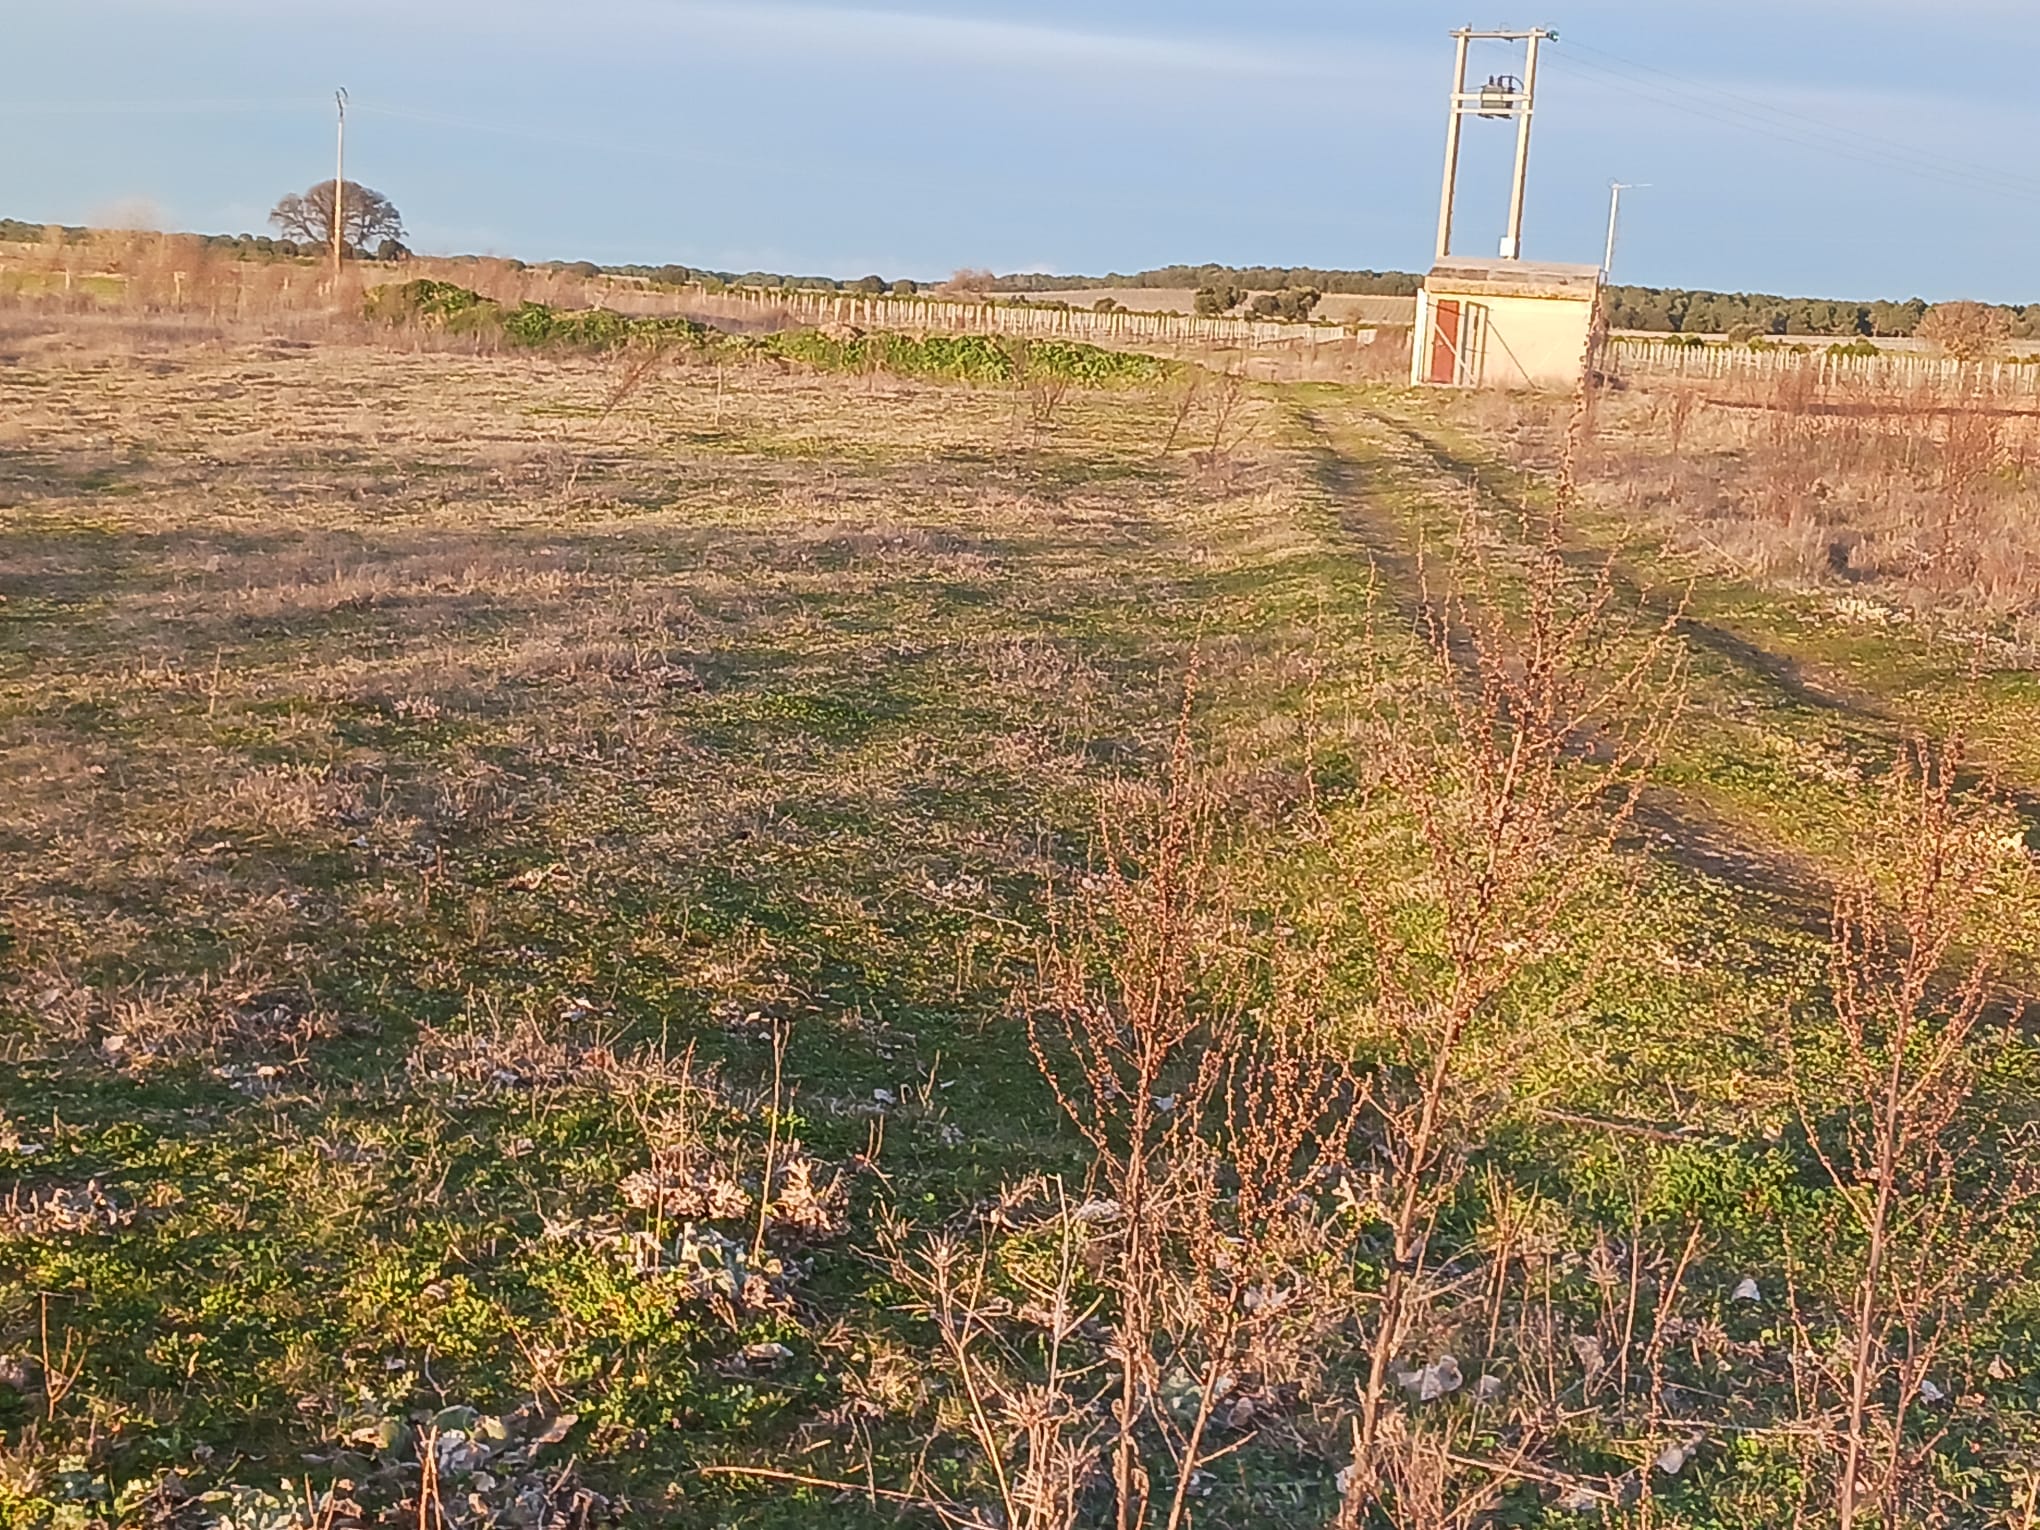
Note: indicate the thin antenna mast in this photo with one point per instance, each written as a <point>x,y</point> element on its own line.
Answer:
<point>340,194</point>
<point>1615,190</point>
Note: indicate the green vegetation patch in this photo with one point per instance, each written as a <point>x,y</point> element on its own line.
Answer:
<point>457,310</point>
<point>980,359</point>
<point>968,358</point>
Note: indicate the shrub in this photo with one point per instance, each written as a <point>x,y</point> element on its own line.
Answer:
<point>1215,300</point>
<point>455,309</point>
<point>1290,303</point>
<point>1966,331</point>
<point>437,305</point>
<point>968,284</point>
<point>1090,365</point>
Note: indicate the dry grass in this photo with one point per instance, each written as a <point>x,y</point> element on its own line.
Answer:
<point>190,536</point>
<point>517,872</point>
<point>177,275</point>
<point>1915,500</point>
<point>409,755</point>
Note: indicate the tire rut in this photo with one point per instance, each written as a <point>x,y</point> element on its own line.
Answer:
<point>1669,825</point>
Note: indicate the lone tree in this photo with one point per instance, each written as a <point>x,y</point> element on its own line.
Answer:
<point>367,217</point>
<point>1966,331</point>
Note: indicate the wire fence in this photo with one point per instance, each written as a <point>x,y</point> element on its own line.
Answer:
<point>1119,327</point>
<point>1888,371</point>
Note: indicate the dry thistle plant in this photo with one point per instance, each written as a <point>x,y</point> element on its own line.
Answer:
<point>1794,435</point>
<point>1261,1275</point>
<point>1025,1392</point>
<point>1122,1031</point>
<point>1227,402</point>
<point>1905,1106</point>
<point>1044,390</point>
<point>1180,394</point>
<point>1218,1127</point>
<point>1509,758</point>
<point>636,366</point>
<point>1972,448</point>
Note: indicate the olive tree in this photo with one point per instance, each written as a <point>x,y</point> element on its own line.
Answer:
<point>1967,331</point>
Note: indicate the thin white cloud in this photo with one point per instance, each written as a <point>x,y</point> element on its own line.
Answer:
<point>846,32</point>
<point>892,34</point>
<point>1940,10</point>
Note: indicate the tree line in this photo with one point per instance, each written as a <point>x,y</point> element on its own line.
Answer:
<point>1668,310</point>
<point>1249,278</point>
<point>1664,310</point>
<point>1660,310</point>
<point>239,246</point>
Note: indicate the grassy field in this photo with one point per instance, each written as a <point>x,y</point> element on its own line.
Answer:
<point>523,894</point>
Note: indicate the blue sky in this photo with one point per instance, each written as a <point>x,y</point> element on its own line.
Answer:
<point>1859,148</point>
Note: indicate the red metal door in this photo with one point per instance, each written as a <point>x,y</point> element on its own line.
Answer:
<point>1444,343</point>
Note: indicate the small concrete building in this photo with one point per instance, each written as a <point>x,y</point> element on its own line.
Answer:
<point>1505,324</point>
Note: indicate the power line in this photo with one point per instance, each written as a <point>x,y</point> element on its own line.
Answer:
<point>1780,125</point>
<point>1699,106</point>
<point>1940,173</point>
<point>1753,103</point>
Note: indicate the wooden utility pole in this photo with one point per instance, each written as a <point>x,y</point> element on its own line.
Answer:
<point>340,194</point>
